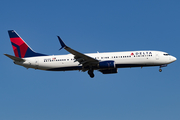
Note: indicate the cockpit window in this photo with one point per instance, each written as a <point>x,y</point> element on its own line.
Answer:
<point>166,54</point>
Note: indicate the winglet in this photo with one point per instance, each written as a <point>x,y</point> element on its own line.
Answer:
<point>63,45</point>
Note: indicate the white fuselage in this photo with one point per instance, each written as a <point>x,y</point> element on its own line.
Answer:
<point>106,63</point>
<point>121,59</point>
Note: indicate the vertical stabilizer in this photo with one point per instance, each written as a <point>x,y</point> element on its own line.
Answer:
<point>20,47</point>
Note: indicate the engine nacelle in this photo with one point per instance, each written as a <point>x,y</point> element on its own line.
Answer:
<point>109,71</point>
<point>106,64</point>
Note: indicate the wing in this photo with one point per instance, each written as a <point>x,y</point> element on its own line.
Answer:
<point>81,58</point>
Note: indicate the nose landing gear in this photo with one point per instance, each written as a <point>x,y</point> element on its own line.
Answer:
<point>160,70</point>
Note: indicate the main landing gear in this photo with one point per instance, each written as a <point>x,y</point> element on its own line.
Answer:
<point>90,72</point>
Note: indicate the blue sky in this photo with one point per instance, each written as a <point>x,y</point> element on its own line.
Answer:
<point>91,26</point>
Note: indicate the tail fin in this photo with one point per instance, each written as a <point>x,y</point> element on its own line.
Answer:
<point>20,48</point>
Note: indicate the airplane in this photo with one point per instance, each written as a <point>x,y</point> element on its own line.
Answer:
<point>106,63</point>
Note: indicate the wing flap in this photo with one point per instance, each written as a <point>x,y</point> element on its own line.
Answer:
<point>79,55</point>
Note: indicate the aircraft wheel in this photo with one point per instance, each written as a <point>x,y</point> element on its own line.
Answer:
<point>160,70</point>
<point>91,74</point>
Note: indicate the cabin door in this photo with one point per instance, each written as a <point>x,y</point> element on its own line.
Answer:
<point>36,63</point>
<point>157,56</point>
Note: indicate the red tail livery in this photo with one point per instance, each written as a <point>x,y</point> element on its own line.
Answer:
<point>20,48</point>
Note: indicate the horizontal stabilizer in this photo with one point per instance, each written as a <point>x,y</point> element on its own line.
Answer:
<point>15,58</point>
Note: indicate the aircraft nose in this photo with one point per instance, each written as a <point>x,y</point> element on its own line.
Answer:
<point>174,58</point>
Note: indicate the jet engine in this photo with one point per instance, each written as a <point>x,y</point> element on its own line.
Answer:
<point>106,64</point>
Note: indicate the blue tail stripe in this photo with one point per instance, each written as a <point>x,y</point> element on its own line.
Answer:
<point>12,34</point>
<point>18,48</point>
<point>30,53</point>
